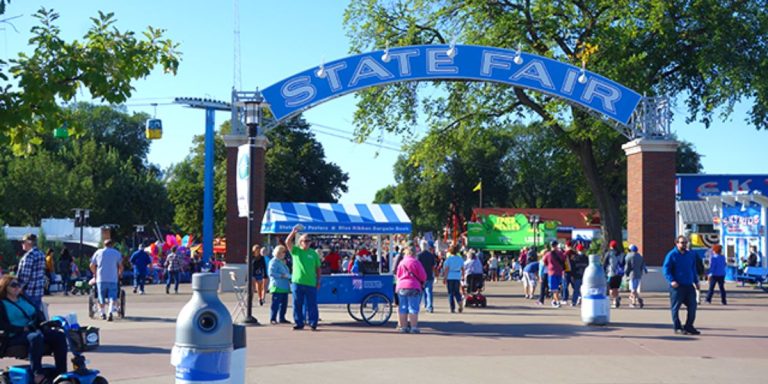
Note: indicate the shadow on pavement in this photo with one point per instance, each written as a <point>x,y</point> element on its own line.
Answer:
<point>537,330</point>
<point>153,319</point>
<point>132,349</point>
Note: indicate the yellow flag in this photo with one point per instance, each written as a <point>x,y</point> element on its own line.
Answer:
<point>478,187</point>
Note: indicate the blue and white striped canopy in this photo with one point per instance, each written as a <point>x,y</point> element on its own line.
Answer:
<point>336,218</point>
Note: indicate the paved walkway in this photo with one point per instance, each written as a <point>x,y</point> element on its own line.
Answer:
<point>511,340</point>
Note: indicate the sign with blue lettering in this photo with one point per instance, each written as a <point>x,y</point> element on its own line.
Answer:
<point>696,187</point>
<point>470,62</point>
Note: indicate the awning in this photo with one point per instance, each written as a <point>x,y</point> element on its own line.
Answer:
<point>695,212</point>
<point>336,218</point>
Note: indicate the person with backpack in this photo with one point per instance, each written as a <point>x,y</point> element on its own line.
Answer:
<point>635,267</point>
<point>613,262</point>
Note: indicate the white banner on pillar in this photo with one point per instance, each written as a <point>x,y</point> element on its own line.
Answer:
<point>243,178</point>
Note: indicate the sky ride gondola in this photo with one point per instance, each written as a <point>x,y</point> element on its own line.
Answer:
<point>154,126</point>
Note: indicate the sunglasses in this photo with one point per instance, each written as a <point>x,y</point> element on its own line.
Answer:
<point>14,284</point>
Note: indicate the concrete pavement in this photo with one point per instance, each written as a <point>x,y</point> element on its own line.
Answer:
<point>512,340</point>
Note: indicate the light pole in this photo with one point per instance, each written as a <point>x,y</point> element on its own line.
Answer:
<point>81,215</point>
<point>252,120</point>
<point>534,220</point>
<point>138,228</point>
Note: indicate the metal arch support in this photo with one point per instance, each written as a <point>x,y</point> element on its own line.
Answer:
<point>652,119</point>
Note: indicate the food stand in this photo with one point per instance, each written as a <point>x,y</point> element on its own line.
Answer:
<point>368,297</point>
<point>741,219</point>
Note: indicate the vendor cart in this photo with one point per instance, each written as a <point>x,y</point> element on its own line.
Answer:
<point>368,296</point>
<point>372,292</point>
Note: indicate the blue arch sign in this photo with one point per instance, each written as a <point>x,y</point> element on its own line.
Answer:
<point>470,62</point>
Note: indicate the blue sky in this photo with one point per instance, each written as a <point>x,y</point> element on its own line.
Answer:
<point>279,39</point>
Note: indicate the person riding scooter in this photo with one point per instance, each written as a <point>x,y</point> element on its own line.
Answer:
<point>21,321</point>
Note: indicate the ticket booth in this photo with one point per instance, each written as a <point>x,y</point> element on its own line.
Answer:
<point>741,220</point>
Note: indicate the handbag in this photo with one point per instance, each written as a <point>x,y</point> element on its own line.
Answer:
<point>423,283</point>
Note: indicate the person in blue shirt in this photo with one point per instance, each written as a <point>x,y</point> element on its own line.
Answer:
<point>141,262</point>
<point>453,270</point>
<point>716,274</point>
<point>680,271</point>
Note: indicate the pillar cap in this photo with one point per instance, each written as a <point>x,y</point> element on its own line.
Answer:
<point>649,145</point>
<point>235,140</point>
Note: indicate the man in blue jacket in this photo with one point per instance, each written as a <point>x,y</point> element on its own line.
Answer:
<point>680,271</point>
<point>141,263</point>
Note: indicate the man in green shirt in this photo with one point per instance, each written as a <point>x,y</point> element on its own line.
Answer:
<point>305,280</point>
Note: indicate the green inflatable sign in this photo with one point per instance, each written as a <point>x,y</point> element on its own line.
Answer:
<point>508,233</point>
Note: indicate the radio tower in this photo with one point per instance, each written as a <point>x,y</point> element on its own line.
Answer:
<point>236,81</point>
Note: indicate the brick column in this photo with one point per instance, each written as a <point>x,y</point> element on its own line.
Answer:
<point>235,230</point>
<point>651,197</point>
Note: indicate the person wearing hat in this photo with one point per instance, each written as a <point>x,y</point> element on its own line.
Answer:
<point>613,262</point>
<point>635,267</point>
<point>579,263</point>
<point>31,274</point>
<point>716,274</point>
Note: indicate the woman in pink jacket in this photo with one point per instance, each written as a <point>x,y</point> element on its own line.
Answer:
<point>410,280</point>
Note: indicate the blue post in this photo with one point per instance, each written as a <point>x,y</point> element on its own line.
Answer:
<point>208,188</point>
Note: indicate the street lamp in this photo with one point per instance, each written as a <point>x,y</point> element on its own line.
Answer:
<point>138,228</point>
<point>81,215</point>
<point>534,221</point>
<point>252,108</point>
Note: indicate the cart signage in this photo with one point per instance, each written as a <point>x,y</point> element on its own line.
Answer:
<point>361,228</point>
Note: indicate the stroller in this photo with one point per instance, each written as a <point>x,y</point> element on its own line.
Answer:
<point>475,284</point>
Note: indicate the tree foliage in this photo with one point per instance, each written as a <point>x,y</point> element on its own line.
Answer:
<point>520,166</point>
<point>296,170</point>
<point>710,53</point>
<point>105,63</point>
<point>98,171</point>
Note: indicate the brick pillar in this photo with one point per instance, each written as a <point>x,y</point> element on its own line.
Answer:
<point>651,197</point>
<point>235,230</point>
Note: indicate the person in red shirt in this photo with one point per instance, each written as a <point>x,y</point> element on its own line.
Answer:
<point>555,262</point>
<point>334,260</point>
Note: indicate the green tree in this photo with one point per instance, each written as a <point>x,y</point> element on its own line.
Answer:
<point>7,254</point>
<point>119,187</point>
<point>688,160</point>
<point>521,166</point>
<point>296,166</point>
<point>711,53</point>
<point>296,170</point>
<point>185,184</point>
<point>105,63</point>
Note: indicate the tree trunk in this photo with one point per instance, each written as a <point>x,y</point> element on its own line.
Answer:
<point>607,204</point>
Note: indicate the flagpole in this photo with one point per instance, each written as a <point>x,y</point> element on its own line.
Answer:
<point>481,192</point>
